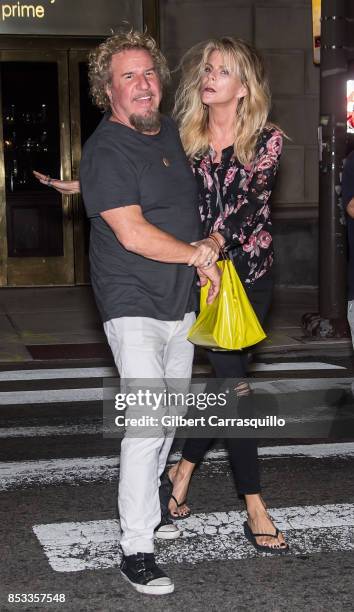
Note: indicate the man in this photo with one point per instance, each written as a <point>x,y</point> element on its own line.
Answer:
<point>140,195</point>
<point>348,203</point>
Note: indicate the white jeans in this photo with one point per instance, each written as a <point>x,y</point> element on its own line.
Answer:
<point>146,348</point>
<point>350,315</point>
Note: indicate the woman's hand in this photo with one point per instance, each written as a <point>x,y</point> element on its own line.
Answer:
<point>64,187</point>
<point>214,275</point>
<point>206,253</point>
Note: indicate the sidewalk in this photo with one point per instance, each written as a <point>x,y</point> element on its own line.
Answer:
<point>55,324</point>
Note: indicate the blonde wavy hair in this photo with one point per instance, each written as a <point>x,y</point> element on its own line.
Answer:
<point>100,60</point>
<point>252,111</point>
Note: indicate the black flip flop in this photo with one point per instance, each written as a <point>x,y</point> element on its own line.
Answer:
<point>179,517</point>
<point>251,537</point>
<point>165,493</point>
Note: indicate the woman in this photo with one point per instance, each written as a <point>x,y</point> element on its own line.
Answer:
<point>222,106</point>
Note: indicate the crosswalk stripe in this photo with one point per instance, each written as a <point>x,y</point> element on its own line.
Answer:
<point>108,372</point>
<point>79,429</point>
<point>51,396</point>
<point>55,373</point>
<point>46,431</point>
<point>48,472</point>
<point>92,545</point>
<point>291,366</point>
<point>274,387</point>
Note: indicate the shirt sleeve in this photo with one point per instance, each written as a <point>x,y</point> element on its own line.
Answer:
<point>348,180</point>
<point>251,207</point>
<point>108,180</point>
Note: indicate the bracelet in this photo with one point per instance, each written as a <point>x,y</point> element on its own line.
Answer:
<point>214,239</point>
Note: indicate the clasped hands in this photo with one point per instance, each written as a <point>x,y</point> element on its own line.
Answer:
<point>204,259</point>
<point>206,253</point>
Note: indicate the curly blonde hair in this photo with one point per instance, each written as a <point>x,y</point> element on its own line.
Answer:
<point>252,111</point>
<point>100,60</point>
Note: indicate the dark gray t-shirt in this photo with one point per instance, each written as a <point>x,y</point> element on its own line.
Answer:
<point>121,166</point>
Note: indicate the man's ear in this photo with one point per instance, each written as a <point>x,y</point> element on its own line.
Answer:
<point>109,92</point>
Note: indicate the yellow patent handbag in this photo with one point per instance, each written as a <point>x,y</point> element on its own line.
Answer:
<point>229,323</point>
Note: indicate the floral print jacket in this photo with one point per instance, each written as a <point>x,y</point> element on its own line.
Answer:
<point>234,200</point>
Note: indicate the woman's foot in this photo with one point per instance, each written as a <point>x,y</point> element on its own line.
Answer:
<point>260,522</point>
<point>180,474</point>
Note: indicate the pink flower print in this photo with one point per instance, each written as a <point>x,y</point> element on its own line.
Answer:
<point>240,237</point>
<point>251,246</point>
<point>229,208</point>
<point>265,162</point>
<point>218,224</point>
<point>203,165</point>
<point>230,176</point>
<point>264,239</point>
<point>259,274</point>
<point>203,171</point>
<point>264,212</point>
<point>275,145</point>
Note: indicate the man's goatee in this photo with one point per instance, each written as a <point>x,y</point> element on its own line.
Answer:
<point>146,123</point>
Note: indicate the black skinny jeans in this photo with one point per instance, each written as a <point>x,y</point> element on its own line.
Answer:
<point>233,364</point>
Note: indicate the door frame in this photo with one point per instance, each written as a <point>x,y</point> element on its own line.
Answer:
<point>42,270</point>
<point>75,57</point>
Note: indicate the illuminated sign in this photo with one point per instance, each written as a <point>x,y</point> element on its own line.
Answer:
<point>68,17</point>
<point>316,30</point>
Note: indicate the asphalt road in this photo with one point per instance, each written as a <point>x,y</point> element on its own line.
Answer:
<point>58,514</point>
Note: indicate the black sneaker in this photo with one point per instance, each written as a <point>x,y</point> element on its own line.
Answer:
<point>144,575</point>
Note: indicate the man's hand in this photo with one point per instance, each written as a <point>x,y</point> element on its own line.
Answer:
<point>214,275</point>
<point>64,187</point>
<point>206,253</point>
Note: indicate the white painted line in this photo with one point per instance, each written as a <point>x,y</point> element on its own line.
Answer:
<point>48,472</point>
<point>51,396</point>
<point>58,373</point>
<point>51,430</point>
<point>287,385</point>
<point>108,372</point>
<point>291,366</point>
<point>93,545</point>
<point>312,451</point>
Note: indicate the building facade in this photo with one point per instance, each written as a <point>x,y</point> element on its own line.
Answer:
<point>47,115</point>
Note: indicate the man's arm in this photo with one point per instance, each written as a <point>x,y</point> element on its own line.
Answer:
<point>136,234</point>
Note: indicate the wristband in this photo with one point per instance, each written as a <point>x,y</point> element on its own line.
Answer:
<point>214,239</point>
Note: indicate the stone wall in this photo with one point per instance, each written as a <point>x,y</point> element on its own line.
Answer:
<point>282,31</point>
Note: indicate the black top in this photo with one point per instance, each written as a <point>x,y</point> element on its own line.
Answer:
<point>235,200</point>
<point>347,195</point>
<point>121,167</point>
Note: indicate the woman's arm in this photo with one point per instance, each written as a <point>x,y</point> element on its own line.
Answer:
<point>64,187</point>
<point>251,207</point>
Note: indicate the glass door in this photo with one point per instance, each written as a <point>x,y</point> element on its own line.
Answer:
<point>36,223</point>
